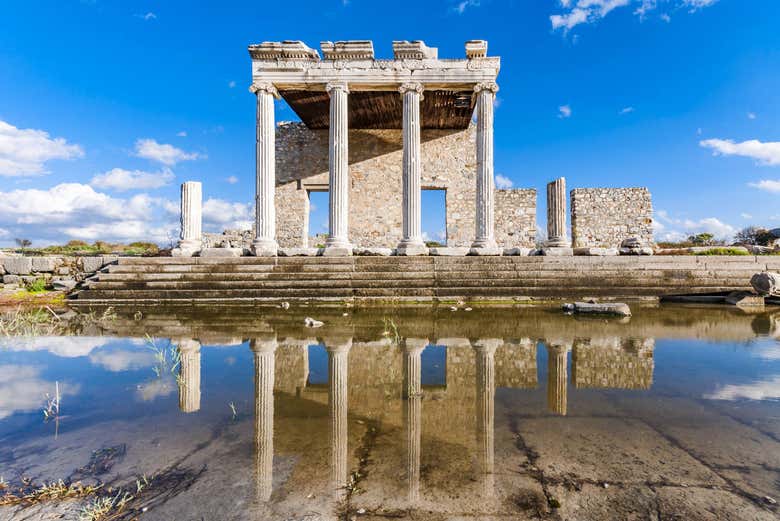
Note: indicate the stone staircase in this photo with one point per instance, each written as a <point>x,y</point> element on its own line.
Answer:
<point>166,279</point>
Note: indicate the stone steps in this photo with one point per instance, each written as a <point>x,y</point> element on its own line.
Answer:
<point>427,278</point>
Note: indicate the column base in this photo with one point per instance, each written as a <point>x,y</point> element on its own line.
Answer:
<point>336,247</point>
<point>556,252</point>
<point>557,242</point>
<point>411,248</point>
<point>486,251</point>
<point>265,248</point>
<point>187,248</point>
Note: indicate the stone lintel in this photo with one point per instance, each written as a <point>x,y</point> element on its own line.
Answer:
<point>476,49</point>
<point>284,50</point>
<point>348,50</point>
<point>414,50</point>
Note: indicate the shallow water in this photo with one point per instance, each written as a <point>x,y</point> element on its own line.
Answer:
<point>412,413</point>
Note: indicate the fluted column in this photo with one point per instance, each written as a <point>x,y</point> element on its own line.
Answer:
<point>557,375</point>
<point>189,375</point>
<point>338,357</point>
<point>264,244</point>
<point>412,409</point>
<point>485,350</point>
<point>264,350</point>
<point>412,243</point>
<point>485,205</point>
<point>556,214</point>
<point>191,216</point>
<point>338,169</point>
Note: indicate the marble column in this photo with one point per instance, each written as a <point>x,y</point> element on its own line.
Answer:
<point>485,242</point>
<point>557,375</point>
<point>556,214</point>
<point>484,350</point>
<point>412,409</point>
<point>264,350</point>
<point>412,243</point>
<point>338,358</point>
<point>189,375</point>
<point>264,244</point>
<point>191,216</point>
<point>338,172</point>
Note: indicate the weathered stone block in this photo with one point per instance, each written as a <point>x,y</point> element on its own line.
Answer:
<point>509,252</point>
<point>299,252</point>
<point>91,264</point>
<point>63,284</point>
<point>373,252</point>
<point>557,252</point>
<point>221,252</point>
<point>449,251</point>
<point>596,252</point>
<point>17,265</point>
<point>45,264</point>
<point>11,279</point>
<point>486,252</point>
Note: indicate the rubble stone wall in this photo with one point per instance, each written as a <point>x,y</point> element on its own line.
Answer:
<point>604,217</point>
<point>22,269</point>
<point>375,198</point>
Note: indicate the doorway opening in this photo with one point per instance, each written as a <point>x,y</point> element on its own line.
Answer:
<point>434,216</point>
<point>318,211</point>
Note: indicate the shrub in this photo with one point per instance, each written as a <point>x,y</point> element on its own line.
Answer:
<point>722,251</point>
<point>37,286</point>
<point>76,244</point>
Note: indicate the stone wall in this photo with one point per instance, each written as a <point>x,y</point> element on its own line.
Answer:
<point>515,218</point>
<point>375,167</point>
<point>604,217</point>
<point>21,270</point>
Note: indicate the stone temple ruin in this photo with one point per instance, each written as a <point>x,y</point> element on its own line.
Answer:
<point>373,134</point>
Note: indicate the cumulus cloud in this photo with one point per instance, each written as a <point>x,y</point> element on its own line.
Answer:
<point>751,115</point>
<point>667,228</point>
<point>627,110</point>
<point>764,153</point>
<point>78,211</point>
<point>232,179</point>
<point>182,133</point>
<point>118,360</point>
<point>120,179</point>
<point>62,346</point>
<point>564,111</point>
<point>218,213</point>
<point>163,153</point>
<point>503,182</point>
<point>461,6</point>
<point>24,152</point>
<point>576,12</point>
<point>766,389</point>
<point>768,185</point>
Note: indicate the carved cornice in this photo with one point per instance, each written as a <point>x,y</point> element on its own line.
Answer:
<point>476,49</point>
<point>348,50</point>
<point>492,86</point>
<point>340,85</point>
<point>412,86</point>
<point>285,50</point>
<point>266,87</point>
<point>414,50</point>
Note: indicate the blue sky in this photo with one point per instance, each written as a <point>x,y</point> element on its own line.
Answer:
<point>106,106</point>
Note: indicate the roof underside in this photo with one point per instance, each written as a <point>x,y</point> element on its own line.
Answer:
<point>439,109</point>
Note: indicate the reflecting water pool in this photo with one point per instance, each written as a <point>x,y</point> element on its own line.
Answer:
<point>406,413</point>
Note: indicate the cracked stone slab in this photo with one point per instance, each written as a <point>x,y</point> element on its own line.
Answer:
<point>698,504</point>
<point>610,450</point>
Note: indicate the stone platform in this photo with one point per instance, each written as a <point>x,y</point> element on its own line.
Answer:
<point>504,279</point>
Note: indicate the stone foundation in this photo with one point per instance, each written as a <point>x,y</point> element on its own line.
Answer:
<point>21,270</point>
<point>605,217</point>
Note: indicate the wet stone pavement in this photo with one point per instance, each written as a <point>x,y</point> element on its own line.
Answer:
<point>407,413</point>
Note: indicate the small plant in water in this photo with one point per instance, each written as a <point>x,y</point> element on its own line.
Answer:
<point>233,410</point>
<point>167,359</point>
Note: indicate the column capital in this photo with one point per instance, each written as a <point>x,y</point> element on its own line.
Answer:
<point>412,86</point>
<point>263,344</point>
<point>265,86</point>
<point>337,85</point>
<point>492,86</point>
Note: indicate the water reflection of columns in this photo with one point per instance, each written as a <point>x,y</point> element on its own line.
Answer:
<point>264,349</point>
<point>338,353</point>
<point>412,408</point>
<point>557,375</point>
<point>189,375</point>
<point>484,350</point>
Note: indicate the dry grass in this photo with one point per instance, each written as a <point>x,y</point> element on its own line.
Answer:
<point>29,494</point>
<point>43,321</point>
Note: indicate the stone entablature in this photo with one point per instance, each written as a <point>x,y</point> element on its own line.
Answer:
<point>605,217</point>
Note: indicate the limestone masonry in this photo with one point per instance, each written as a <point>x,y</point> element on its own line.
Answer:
<point>605,217</point>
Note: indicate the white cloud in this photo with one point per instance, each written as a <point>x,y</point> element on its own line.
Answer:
<point>218,213</point>
<point>77,211</point>
<point>182,133</point>
<point>627,110</point>
<point>24,152</point>
<point>232,84</point>
<point>671,229</point>
<point>746,216</point>
<point>576,12</point>
<point>759,390</point>
<point>120,179</point>
<point>765,153</point>
<point>768,185</point>
<point>751,115</point>
<point>147,16</point>
<point>118,360</point>
<point>165,154</point>
<point>564,111</point>
<point>461,6</point>
<point>232,179</point>
<point>503,182</point>
<point>62,346</point>
<point>156,388</point>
